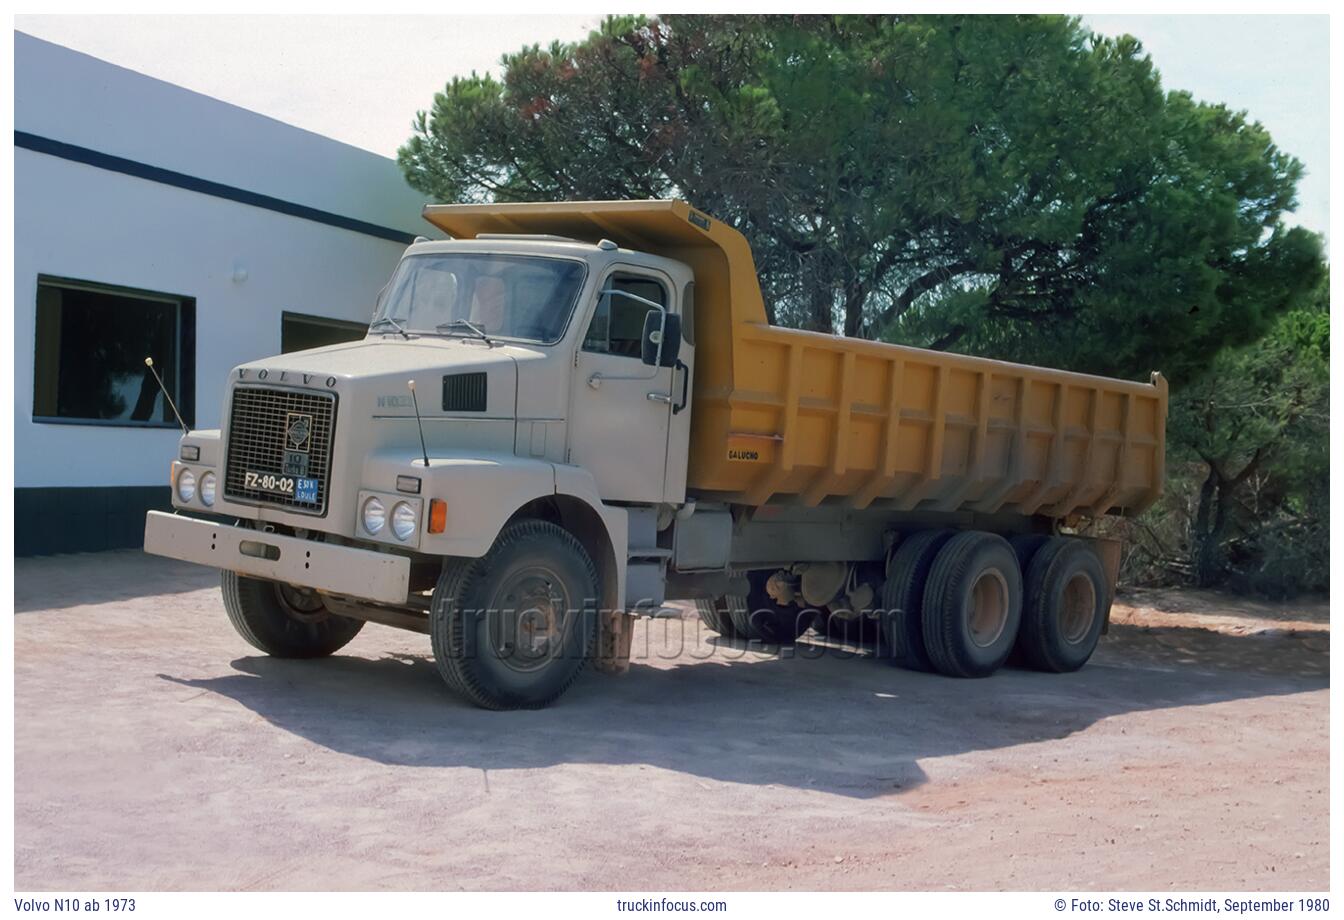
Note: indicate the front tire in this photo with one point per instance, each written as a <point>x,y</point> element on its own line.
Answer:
<point>513,629</point>
<point>284,621</point>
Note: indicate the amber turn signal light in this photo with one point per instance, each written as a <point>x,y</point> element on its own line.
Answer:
<point>438,515</point>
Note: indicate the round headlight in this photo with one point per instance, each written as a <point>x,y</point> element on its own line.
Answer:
<point>403,520</point>
<point>186,485</point>
<point>375,515</point>
<point>208,489</point>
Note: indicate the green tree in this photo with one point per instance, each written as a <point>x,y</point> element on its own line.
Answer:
<point>1255,430</point>
<point>1004,185</point>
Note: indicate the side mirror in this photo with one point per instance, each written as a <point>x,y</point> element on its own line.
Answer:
<point>662,339</point>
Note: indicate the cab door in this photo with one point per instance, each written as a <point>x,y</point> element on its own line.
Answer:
<point>620,407</point>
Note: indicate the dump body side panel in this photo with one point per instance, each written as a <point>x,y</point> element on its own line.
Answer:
<point>816,418</point>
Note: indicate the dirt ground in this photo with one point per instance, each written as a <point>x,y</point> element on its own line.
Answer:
<point>154,749</point>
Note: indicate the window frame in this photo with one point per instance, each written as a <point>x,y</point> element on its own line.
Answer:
<point>639,272</point>
<point>184,379</point>
<point>493,254</point>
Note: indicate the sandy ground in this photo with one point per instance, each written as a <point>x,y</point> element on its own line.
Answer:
<point>154,750</point>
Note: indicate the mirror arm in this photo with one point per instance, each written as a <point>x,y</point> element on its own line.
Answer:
<point>596,379</point>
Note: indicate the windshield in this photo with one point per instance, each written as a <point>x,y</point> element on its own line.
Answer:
<point>513,297</point>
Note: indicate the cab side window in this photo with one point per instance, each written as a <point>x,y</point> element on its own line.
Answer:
<point>618,322</point>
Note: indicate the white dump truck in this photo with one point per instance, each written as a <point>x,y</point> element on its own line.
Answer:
<point>568,414</point>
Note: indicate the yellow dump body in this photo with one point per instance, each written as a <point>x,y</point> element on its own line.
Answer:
<point>782,415</point>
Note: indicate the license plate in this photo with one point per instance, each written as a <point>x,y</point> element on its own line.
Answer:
<point>300,488</point>
<point>269,482</point>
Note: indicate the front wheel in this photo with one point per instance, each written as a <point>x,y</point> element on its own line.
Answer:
<point>284,621</point>
<point>513,629</point>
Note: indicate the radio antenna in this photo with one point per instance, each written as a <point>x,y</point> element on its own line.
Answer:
<point>410,385</point>
<point>149,363</point>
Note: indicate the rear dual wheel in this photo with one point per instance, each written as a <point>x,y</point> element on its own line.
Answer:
<point>902,618</point>
<point>717,613</point>
<point>962,603</point>
<point>1067,598</point>
<point>972,605</point>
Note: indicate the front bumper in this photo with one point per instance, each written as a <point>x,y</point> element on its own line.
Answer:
<point>328,567</point>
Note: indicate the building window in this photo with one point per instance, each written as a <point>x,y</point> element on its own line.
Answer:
<point>299,331</point>
<point>92,341</point>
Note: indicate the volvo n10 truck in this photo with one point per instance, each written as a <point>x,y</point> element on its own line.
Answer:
<point>566,415</point>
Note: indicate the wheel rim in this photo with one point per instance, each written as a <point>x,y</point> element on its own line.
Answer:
<point>529,615</point>
<point>1077,609</point>
<point>302,604</point>
<point>989,608</point>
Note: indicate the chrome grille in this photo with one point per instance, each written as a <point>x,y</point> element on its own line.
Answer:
<point>260,419</point>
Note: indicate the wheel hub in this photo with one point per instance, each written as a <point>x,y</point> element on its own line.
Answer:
<point>301,603</point>
<point>1077,609</point>
<point>530,610</point>
<point>989,608</point>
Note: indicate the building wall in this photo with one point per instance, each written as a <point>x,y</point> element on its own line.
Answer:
<point>72,97</point>
<point>82,487</point>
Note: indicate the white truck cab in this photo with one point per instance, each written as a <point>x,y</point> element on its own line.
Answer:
<point>498,373</point>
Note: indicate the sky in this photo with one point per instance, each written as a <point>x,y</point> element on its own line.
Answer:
<point>360,79</point>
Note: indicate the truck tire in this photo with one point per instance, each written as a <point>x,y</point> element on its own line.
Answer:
<point>763,620</point>
<point>972,605</point>
<point>902,617</point>
<point>1026,545</point>
<point>513,629</point>
<point>1065,606</point>
<point>716,613</point>
<point>284,621</point>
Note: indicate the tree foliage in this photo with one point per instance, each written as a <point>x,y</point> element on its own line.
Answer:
<point>1004,185</point>
<point>1255,428</point>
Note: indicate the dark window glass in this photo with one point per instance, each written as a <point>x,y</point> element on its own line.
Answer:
<point>299,332</point>
<point>688,313</point>
<point>618,322</point>
<point>92,341</point>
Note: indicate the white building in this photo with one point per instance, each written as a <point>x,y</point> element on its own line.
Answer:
<point>151,220</point>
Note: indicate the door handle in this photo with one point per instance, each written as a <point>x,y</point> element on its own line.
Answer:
<point>685,385</point>
<point>660,397</point>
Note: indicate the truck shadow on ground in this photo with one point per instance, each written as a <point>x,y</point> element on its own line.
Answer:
<point>853,727</point>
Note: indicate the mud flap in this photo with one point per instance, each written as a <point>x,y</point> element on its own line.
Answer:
<point>613,642</point>
<point>1109,552</point>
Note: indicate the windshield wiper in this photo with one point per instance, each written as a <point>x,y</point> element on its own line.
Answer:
<point>456,323</point>
<point>395,325</point>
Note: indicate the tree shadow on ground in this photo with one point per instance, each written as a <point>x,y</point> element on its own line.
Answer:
<point>849,727</point>
<point>1204,602</point>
